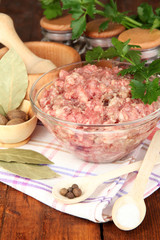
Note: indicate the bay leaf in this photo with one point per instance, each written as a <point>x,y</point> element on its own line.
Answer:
<point>2,112</point>
<point>13,80</point>
<point>23,156</point>
<point>29,170</point>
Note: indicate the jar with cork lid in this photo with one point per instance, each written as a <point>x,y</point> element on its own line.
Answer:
<point>95,38</point>
<point>147,39</point>
<point>59,30</point>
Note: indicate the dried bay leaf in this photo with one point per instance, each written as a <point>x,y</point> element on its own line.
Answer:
<point>23,156</point>
<point>31,171</point>
<point>2,112</point>
<point>13,80</point>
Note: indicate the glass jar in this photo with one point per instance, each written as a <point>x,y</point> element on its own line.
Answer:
<point>59,30</point>
<point>149,42</point>
<point>95,38</point>
<point>151,54</point>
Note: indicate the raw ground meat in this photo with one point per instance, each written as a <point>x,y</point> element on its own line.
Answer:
<point>94,95</point>
<point>98,96</point>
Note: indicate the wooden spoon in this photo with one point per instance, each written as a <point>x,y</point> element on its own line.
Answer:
<point>10,39</point>
<point>129,211</point>
<point>89,184</point>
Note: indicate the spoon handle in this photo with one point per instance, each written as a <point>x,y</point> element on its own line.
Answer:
<point>10,39</point>
<point>151,157</point>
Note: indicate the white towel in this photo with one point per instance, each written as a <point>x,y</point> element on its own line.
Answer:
<point>98,206</point>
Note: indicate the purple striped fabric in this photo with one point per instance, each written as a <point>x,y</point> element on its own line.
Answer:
<point>98,206</point>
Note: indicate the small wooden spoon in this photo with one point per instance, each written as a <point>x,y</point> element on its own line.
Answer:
<point>129,211</point>
<point>10,39</point>
<point>89,184</point>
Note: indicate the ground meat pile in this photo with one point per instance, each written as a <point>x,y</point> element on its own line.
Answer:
<point>93,95</point>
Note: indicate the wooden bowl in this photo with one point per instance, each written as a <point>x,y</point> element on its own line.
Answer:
<point>58,53</point>
<point>17,135</point>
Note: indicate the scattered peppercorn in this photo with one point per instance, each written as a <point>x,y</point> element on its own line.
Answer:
<point>71,192</point>
<point>77,192</point>
<point>70,195</point>
<point>74,186</point>
<point>63,191</point>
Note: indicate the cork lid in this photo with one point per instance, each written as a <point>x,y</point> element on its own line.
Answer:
<point>92,29</point>
<point>145,38</point>
<point>57,24</point>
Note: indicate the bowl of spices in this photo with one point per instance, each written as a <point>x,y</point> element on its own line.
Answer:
<point>95,37</point>
<point>90,110</point>
<point>147,39</point>
<point>17,125</point>
<point>17,120</point>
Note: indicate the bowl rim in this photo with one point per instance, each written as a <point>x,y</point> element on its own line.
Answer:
<point>51,118</point>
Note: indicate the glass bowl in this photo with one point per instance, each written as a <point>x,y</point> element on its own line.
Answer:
<point>98,143</point>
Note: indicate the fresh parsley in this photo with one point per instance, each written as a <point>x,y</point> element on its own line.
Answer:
<point>81,9</point>
<point>147,16</point>
<point>52,8</point>
<point>145,83</point>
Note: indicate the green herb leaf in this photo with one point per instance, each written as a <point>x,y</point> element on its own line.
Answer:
<point>103,26</point>
<point>134,55</point>
<point>95,54</point>
<point>52,8</point>
<point>112,13</point>
<point>152,91</point>
<point>156,24</point>
<point>148,92</point>
<point>79,10</point>
<point>91,10</point>
<point>76,13</point>
<point>129,70</point>
<point>154,68</point>
<point>158,11</point>
<point>29,170</point>
<point>78,26</point>
<point>137,89</point>
<point>13,80</point>
<point>71,4</point>
<point>2,112</point>
<point>23,156</point>
<point>145,12</point>
<point>147,17</point>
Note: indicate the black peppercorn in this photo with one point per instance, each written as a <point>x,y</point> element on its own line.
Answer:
<point>71,192</point>
<point>63,191</point>
<point>77,192</point>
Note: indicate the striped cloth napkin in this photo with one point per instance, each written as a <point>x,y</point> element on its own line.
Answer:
<point>98,206</point>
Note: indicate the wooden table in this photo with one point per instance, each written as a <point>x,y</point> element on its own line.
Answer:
<point>24,218</point>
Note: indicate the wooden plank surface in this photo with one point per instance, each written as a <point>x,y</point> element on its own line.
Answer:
<point>149,229</point>
<point>24,218</point>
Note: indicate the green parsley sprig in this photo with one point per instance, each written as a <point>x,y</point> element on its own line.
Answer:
<point>81,9</point>
<point>145,83</point>
<point>52,8</point>
<point>148,18</point>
